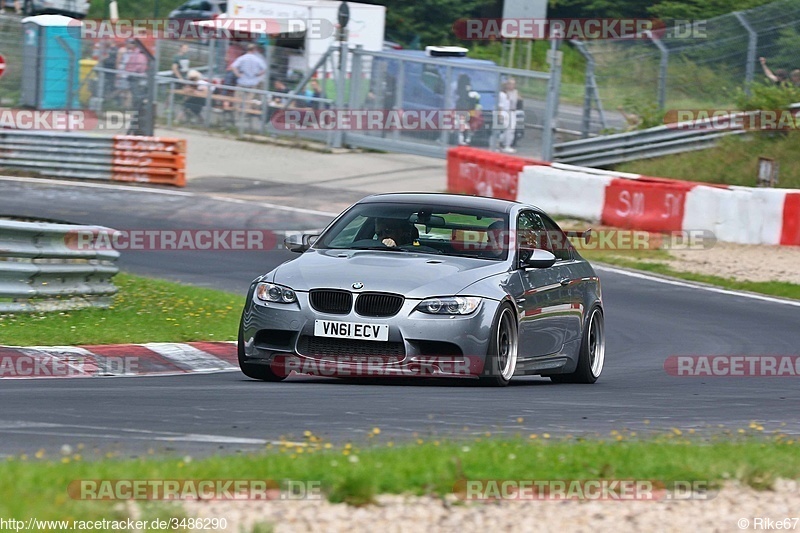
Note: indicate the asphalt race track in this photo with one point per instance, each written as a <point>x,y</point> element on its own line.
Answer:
<point>647,320</point>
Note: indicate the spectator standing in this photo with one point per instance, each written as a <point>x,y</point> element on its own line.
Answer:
<point>180,63</point>
<point>509,135</point>
<point>135,65</point>
<point>508,117</point>
<point>250,68</point>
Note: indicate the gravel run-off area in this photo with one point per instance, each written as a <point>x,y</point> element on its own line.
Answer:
<point>733,508</point>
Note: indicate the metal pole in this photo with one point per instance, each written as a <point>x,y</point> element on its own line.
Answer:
<point>752,43</point>
<point>587,100</point>
<point>340,86</point>
<point>662,71</point>
<point>355,77</point>
<point>268,75</point>
<point>448,103</point>
<point>528,55</point>
<point>551,103</point>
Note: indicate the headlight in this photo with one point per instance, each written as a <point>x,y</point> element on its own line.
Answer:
<point>269,292</point>
<point>451,305</point>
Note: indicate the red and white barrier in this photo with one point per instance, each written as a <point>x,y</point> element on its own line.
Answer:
<point>744,215</point>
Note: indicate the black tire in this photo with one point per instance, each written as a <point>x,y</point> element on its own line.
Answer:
<point>254,370</point>
<point>501,357</point>
<point>27,8</point>
<point>592,353</point>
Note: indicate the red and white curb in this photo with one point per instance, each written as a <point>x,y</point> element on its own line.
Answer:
<point>117,360</point>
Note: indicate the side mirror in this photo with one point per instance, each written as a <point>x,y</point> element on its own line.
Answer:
<point>299,243</point>
<point>536,258</point>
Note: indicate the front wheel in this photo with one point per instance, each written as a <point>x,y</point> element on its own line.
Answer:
<point>592,353</point>
<point>501,358</point>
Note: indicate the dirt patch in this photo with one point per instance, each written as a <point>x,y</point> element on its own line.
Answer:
<point>741,262</point>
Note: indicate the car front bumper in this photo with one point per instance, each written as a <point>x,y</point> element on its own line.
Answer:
<point>419,344</point>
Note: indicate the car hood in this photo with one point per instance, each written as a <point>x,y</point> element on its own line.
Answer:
<point>407,273</point>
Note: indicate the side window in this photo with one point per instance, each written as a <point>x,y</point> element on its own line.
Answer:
<point>555,240</point>
<point>535,231</point>
<point>529,227</point>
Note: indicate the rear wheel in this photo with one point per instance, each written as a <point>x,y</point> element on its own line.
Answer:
<point>592,353</point>
<point>252,370</point>
<point>501,358</point>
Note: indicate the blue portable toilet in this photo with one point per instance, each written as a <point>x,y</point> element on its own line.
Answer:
<point>51,52</point>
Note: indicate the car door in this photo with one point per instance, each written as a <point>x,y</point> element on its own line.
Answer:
<point>546,302</point>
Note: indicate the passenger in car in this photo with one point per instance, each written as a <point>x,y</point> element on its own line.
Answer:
<point>393,232</point>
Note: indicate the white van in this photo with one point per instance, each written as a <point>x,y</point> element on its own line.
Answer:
<point>72,8</point>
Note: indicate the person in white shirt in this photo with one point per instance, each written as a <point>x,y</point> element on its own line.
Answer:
<point>249,68</point>
<point>507,103</point>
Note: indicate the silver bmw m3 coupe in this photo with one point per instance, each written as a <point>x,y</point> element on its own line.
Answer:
<point>428,285</point>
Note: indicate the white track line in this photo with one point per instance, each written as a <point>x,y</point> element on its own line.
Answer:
<point>690,285</point>
<point>111,186</point>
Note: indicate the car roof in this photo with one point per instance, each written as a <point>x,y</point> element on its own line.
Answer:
<point>466,61</point>
<point>445,199</point>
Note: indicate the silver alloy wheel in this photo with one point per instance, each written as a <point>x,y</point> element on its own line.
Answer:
<point>597,343</point>
<point>506,344</point>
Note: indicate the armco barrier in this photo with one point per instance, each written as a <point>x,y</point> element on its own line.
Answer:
<point>744,215</point>
<point>86,156</point>
<point>41,269</point>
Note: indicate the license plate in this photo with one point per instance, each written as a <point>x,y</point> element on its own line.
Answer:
<point>351,330</point>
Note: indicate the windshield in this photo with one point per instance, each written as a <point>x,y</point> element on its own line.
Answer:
<point>422,228</point>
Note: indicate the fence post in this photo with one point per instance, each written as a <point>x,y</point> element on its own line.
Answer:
<point>340,88</point>
<point>752,42</point>
<point>551,103</point>
<point>662,70</point>
<point>448,103</point>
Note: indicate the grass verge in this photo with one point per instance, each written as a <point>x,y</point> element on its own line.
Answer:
<point>734,161</point>
<point>144,310</point>
<point>356,474</point>
<point>648,261</point>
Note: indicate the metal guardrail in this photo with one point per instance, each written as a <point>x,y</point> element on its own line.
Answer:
<point>43,268</point>
<point>653,142</point>
<point>86,156</point>
<point>643,144</point>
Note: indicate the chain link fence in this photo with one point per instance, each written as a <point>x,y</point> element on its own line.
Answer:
<point>149,81</point>
<point>694,66</point>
